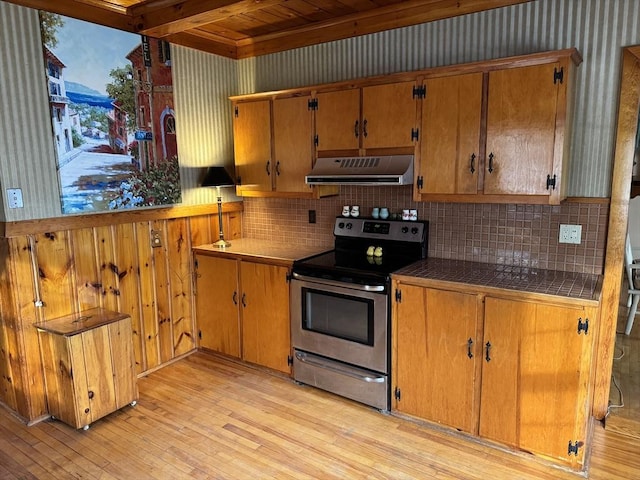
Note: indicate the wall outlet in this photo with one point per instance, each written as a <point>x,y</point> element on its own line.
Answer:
<point>156,238</point>
<point>312,216</point>
<point>14,197</point>
<point>570,234</point>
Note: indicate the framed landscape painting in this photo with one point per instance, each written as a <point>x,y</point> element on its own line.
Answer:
<point>112,115</point>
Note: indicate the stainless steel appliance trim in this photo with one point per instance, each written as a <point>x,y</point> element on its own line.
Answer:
<point>339,368</point>
<point>352,286</point>
<point>372,358</point>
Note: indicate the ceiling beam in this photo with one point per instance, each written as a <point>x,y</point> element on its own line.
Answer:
<point>398,15</point>
<point>191,14</point>
<point>107,14</point>
<point>208,43</point>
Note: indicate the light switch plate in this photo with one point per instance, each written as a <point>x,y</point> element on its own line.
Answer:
<point>570,234</point>
<point>14,196</point>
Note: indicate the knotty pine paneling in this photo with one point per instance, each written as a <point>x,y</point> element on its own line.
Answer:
<point>110,266</point>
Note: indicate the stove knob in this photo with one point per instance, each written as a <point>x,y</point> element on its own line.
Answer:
<point>405,229</point>
<point>349,226</point>
<point>341,225</point>
<point>414,230</point>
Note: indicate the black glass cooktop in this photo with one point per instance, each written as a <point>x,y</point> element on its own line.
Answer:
<point>338,263</point>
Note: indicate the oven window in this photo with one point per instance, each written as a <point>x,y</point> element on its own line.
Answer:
<point>341,316</point>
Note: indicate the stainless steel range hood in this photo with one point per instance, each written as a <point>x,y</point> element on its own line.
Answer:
<point>383,170</point>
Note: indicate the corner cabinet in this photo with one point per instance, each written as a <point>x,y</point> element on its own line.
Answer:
<point>89,365</point>
<point>500,134</point>
<point>507,370</point>
<point>242,310</point>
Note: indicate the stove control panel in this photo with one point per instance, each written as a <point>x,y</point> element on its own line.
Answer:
<point>410,231</point>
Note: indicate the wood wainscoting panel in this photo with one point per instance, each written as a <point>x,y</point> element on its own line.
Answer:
<point>108,268</point>
<point>128,271</point>
<point>181,286</point>
<point>148,311</point>
<point>93,264</point>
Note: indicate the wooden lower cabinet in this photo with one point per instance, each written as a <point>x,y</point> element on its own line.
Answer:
<point>535,377</point>
<point>515,372</point>
<point>89,365</point>
<point>217,304</point>
<point>242,309</point>
<point>437,356</point>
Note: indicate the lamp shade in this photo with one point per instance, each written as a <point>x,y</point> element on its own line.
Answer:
<point>217,177</point>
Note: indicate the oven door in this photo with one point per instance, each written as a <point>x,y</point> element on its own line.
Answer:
<point>341,321</point>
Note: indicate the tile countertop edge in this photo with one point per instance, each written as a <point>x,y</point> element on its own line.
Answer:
<point>414,275</point>
<point>262,250</point>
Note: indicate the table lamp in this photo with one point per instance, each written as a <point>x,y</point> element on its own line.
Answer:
<point>218,177</point>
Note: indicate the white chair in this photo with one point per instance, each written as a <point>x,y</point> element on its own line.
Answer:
<point>633,277</point>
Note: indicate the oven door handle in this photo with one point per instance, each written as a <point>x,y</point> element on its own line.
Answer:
<point>354,286</point>
<point>316,362</point>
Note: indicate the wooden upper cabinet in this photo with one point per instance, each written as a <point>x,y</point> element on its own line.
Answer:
<point>535,371</point>
<point>371,117</point>
<point>522,113</point>
<point>450,146</point>
<point>435,370</point>
<point>293,143</point>
<point>499,134</point>
<point>217,300</point>
<point>252,145</point>
<point>338,120</point>
<point>389,115</point>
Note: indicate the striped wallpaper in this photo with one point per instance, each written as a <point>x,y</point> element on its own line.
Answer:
<point>202,83</point>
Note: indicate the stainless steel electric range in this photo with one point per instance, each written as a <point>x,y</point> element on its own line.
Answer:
<point>341,308</point>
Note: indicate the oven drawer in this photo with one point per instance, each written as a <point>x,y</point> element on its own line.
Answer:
<point>359,384</point>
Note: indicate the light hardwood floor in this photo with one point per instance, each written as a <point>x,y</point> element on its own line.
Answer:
<point>204,417</point>
<point>624,396</point>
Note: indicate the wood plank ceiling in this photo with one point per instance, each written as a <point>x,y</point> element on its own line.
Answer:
<point>248,28</point>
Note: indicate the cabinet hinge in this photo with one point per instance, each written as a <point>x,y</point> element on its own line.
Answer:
<point>289,277</point>
<point>315,140</point>
<point>195,264</point>
<point>289,360</point>
<point>200,334</point>
<point>415,132</point>
<point>583,326</point>
<point>419,91</point>
<point>312,104</point>
<point>239,180</point>
<point>551,182</point>
<point>398,295</point>
<point>558,75</point>
<point>573,447</point>
<point>396,393</point>
<point>420,182</point>
<point>236,111</point>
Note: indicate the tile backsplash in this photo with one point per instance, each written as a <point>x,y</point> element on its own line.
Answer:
<point>509,234</point>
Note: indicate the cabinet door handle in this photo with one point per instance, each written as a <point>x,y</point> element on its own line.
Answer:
<point>491,162</point>
<point>472,163</point>
<point>269,167</point>
<point>356,129</point>
<point>469,345</point>
<point>278,168</point>
<point>235,298</point>
<point>488,356</point>
<point>244,300</point>
<point>91,394</point>
<point>364,128</point>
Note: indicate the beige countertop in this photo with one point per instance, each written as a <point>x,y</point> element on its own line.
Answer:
<point>581,286</point>
<point>266,250</point>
